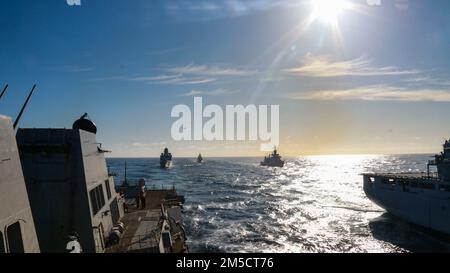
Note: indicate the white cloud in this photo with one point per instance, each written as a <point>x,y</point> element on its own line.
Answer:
<point>376,93</point>
<point>189,74</point>
<point>173,79</point>
<point>374,2</point>
<point>205,70</point>
<point>195,74</point>
<point>142,145</point>
<point>156,78</point>
<point>217,92</point>
<point>211,9</point>
<point>323,67</point>
<point>427,80</point>
<point>192,93</point>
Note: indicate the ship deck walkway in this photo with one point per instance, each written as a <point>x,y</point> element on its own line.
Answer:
<point>143,225</point>
<point>406,175</point>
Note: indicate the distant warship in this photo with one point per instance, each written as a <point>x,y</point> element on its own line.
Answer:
<point>165,159</point>
<point>273,160</point>
<point>199,158</point>
<point>420,198</point>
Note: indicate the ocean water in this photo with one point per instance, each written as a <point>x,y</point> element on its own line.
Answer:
<point>313,204</point>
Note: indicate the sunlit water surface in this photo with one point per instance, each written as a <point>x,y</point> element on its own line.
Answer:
<point>313,204</point>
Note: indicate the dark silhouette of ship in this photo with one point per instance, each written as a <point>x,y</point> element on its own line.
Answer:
<point>165,159</point>
<point>273,160</point>
<point>199,158</point>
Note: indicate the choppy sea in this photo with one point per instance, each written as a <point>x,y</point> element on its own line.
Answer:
<point>313,204</point>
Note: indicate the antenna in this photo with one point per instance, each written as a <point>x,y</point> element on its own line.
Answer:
<point>4,90</point>
<point>125,171</point>
<point>23,107</point>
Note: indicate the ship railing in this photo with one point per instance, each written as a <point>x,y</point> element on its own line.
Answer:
<point>154,187</point>
<point>137,242</point>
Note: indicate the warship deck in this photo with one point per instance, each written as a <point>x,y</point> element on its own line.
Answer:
<point>406,175</point>
<point>414,179</point>
<point>143,225</point>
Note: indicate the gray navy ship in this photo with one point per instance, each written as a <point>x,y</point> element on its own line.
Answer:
<point>273,160</point>
<point>57,195</point>
<point>199,158</point>
<point>165,159</point>
<point>420,198</point>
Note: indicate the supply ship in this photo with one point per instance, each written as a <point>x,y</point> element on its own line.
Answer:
<point>420,198</point>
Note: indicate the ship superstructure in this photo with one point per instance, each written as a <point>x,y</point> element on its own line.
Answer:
<point>420,198</point>
<point>273,160</point>
<point>17,230</point>
<point>165,159</point>
<point>199,158</point>
<point>69,186</point>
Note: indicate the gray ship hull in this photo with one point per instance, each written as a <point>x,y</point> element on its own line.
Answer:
<point>418,200</point>
<point>165,164</point>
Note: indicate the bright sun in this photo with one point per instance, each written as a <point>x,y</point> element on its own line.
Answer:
<point>328,10</point>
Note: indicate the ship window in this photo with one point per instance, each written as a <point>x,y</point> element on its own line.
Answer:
<point>108,189</point>
<point>14,237</point>
<point>93,202</point>
<point>102,196</point>
<point>97,199</point>
<point>2,244</point>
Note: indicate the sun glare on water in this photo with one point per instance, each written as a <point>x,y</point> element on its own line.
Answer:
<point>328,10</point>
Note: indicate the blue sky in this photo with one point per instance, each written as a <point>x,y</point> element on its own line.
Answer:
<point>377,81</point>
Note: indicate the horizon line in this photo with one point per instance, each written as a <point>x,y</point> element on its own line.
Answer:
<point>287,156</point>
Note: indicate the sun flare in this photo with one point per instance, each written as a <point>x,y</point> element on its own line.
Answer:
<point>328,10</point>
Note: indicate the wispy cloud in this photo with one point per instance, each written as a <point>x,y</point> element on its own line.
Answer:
<point>427,80</point>
<point>373,2</point>
<point>194,74</point>
<point>173,79</point>
<point>192,93</point>
<point>323,67</point>
<point>376,93</point>
<point>212,9</point>
<point>212,70</point>
<point>142,145</point>
<point>217,92</point>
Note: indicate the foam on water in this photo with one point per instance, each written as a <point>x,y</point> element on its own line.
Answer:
<point>313,204</point>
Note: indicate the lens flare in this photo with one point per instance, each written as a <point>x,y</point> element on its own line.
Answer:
<point>328,10</point>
